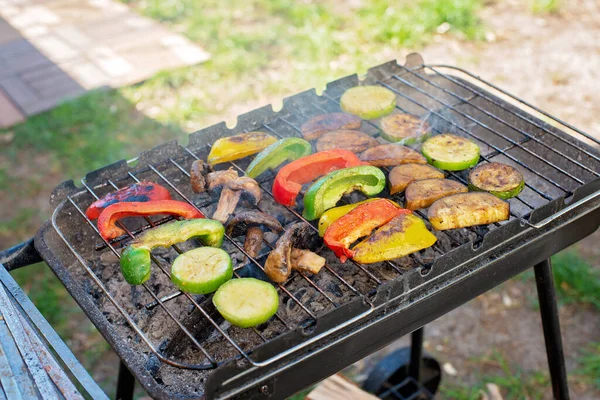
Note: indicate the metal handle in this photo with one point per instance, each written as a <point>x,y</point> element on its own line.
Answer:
<point>564,211</point>
<point>21,255</point>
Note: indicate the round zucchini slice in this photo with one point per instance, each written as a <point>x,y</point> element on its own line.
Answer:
<point>450,152</point>
<point>499,179</point>
<point>246,302</point>
<point>202,270</point>
<point>404,129</point>
<point>368,102</point>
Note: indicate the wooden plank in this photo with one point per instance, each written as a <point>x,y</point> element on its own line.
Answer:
<point>337,387</point>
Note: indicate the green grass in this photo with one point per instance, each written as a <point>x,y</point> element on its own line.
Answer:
<point>575,280</point>
<point>589,365</point>
<point>513,382</point>
<point>546,6</point>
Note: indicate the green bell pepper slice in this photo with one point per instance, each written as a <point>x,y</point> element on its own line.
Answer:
<point>276,154</point>
<point>135,258</point>
<point>327,191</point>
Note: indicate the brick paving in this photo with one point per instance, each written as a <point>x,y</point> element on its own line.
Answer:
<point>53,50</point>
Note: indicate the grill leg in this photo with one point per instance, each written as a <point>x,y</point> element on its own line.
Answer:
<point>416,352</point>
<point>125,383</point>
<point>551,325</point>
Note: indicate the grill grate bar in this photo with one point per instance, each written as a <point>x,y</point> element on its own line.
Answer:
<point>240,248</point>
<point>123,312</point>
<point>516,160</point>
<point>179,251</point>
<point>531,137</point>
<point>522,117</point>
<point>307,279</point>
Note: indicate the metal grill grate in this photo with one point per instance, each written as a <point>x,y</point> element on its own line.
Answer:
<point>553,167</point>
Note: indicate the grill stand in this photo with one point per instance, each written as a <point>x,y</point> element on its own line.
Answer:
<point>551,325</point>
<point>125,383</point>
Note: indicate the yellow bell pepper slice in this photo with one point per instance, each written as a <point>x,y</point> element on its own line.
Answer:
<point>333,214</point>
<point>238,146</point>
<point>403,235</point>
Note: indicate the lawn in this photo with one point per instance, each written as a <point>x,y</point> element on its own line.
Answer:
<point>262,51</point>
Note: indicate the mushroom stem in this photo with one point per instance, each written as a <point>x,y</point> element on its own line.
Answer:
<point>307,261</point>
<point>253,243</point>
<point>227,203</point>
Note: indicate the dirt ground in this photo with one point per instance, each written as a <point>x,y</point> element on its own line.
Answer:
<point>554,63</point>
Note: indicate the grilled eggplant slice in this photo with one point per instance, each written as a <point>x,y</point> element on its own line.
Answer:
<point>499,179</point>
<point>387,155</point>
<point>422,194</point>
<point>404,129</point>
<point>368,102</point>
<point>403,175</point>
<point>317,126</point>
<point>467,209</point>
<point>354,141</point>
<point>451,152</point>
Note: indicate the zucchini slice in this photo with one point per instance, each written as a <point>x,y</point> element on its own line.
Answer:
<point>403,175</point>
<point>422,194</point>
<point>246,302</point>
<point>450,152</point>
<point>368,102</point>
<point>467,209</point>
<point>202,270</point>
<point>404,129</point>
<point>499,179</point>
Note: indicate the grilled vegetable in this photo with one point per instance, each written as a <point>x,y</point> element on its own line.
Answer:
<point>139,192</point>
<point>327,191</point>
<point>277,153</point>
<point>307,261</point>
<point>111,214</point>
<point>404,129</point>
<point>451,152</point>
<point>499,179</point>
<point>333,214</point>
<point>467,209</point>
<point>317,126</point>
<point>135,258</point>
<point>422,194</point>
<point>402,175</point>
<point>289,179</point>
<point>368,102</point>
<point>202,270</point>
<point>252,224</point>
<point>238,146</point>
<point>279,264</point>
<point>354,141</point>
<point>246,302</point>
<point>358,223</point>
<point>387,155</point>
<point>232,187</point>
<point>197,178</point>
<point>403,235</point>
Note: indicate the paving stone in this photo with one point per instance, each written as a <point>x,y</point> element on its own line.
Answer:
<point>110,62</point>
<point>56,81</point>
<point>86,73</point>
<point>26,61</point>
<point>7,32</point>
<point>54,48</point>
<point>187,52</point>
<point>73,36</point>
<point>19,91</point>
<point>9,113</point>
<point>34,15</point>
<point>14,47</point>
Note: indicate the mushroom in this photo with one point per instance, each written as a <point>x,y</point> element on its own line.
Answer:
<point>252,224</point>
<point>232,187</point>
<point>280,262</point>
<point>197,178</point>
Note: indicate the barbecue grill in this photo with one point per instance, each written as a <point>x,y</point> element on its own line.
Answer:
<point>177,346</point>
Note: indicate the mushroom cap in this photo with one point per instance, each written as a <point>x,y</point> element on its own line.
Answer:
<point>240,223</point>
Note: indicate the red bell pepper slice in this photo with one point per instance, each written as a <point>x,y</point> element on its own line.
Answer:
<point>358,223</point>
<point>138,192</point>
<point>289,179</point>
<point>111,214</point>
